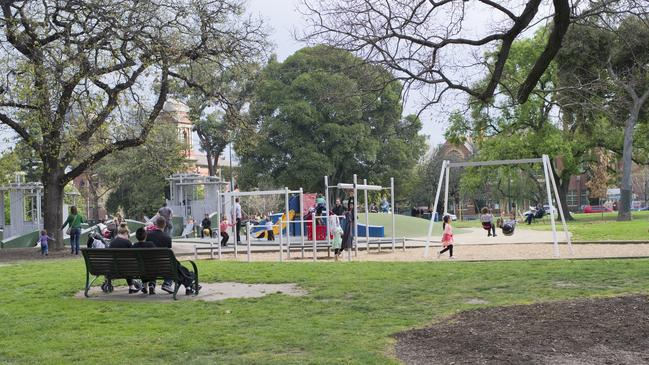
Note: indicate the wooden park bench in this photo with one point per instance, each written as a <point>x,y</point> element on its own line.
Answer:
<point>134,263</point>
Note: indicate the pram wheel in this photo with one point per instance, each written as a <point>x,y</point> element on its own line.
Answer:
<point>107,287</point>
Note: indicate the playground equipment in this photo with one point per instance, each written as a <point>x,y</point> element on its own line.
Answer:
<point>193,195</point>
<point>24,209</point>
<point>550,185</point>
<point>365,188</point>
<point>230,196</point>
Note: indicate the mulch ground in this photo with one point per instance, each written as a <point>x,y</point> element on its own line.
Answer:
<point>597,331</point>
<point>18,254</point>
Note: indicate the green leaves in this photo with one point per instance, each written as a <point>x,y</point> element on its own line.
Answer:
<point>325,112</point>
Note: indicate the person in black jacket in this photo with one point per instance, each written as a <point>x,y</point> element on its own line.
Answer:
<point>161,240</point>
<point>158,236</point>
<point>338,209</point>
<point>140,234</point>
<point>206,224</point>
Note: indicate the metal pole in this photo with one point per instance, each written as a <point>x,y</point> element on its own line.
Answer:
<point>195,253</point>
<point>248,226</point>
<point>446,192</point>
<point>219,207</point>
<point>288,221</point>
<point>393,214</point>
<point>554,227</point>
<point>301,220</point>
<point>231,170</point>
<point>432,217</point>
<point>212,250</point>
<point>281,245</point>
<point>314,233</point>
<point>355,240</point>
<point>219,246</point>
<point>327,223</point>
<point>236,242</point>
<point>38,208</point>
<point>559,206</point>
<point>367,221</point>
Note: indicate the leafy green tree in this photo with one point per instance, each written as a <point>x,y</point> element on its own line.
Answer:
<point>322,112</point>
<point>505,129</point>
<point>606,88</point>
<point>218,96</point>
<point>78,76</point>
<point>135,178</point>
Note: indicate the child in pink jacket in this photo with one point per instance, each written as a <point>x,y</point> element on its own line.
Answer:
<point>447,237</point>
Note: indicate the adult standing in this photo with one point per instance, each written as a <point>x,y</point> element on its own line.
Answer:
<point>338,208</point>
<point>348,234</point>
<point>167,214</point>
<point>74,222</point>
<point>237,216</point>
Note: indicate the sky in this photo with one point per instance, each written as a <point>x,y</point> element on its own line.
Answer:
<point>282,16</point>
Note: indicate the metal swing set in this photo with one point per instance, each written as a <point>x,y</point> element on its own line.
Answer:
<point>550,184</point>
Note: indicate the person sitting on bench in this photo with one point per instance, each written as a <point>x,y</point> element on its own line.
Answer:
<point>122,241</point>
<point>148,286</point>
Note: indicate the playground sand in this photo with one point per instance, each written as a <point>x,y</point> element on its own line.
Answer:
<point>466,253</point>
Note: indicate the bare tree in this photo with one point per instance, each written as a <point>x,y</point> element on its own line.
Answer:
<point>83,79</point>
<point>435,43</point>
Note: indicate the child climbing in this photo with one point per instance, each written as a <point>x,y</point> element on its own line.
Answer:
<point>447,237</point>
<point>223,227</point>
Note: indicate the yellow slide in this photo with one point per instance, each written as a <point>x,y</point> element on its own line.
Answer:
<point>276,228</point>
<point>291,214</point>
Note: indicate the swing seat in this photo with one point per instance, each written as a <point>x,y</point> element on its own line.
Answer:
<point>486,226</point>
<point>508,229</point>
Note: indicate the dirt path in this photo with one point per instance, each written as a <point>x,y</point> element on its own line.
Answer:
<point>600,331</point>
<point>468,253</point>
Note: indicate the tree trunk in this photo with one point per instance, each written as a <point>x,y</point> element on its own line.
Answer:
<point>563,187</point>
<point>53,208</point>
<point>211,169</point>
<point>624,208</point>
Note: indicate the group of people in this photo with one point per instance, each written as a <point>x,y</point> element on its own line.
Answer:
<point>153,237</point>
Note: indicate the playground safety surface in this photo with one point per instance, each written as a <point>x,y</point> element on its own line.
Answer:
<point>590,331</point>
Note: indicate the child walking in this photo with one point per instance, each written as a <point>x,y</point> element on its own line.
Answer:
<point>447,237</point>
<point>43,240</point>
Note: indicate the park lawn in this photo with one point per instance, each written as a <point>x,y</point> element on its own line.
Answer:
<point>406,226</point>
<point>348,316</point>
<point>589,227</point>
<point>603,227</point>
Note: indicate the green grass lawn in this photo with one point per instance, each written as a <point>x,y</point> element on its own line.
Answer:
<point>602,227</point>
<point>348,317</point>
<point>407,226</point>
<point>591,227</point>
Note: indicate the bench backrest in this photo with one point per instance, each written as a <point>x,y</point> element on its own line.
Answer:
<point>131,262</point>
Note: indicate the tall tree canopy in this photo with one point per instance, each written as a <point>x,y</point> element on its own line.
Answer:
<point>78,76</point>
<point>605,88</point>
<point>431,43</point>
<point>505,129</point>
<point>319,113</point>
